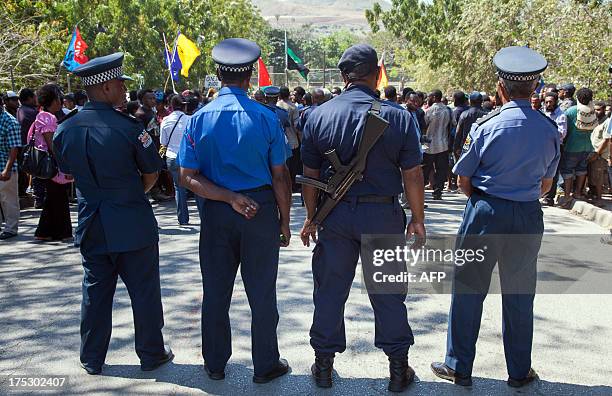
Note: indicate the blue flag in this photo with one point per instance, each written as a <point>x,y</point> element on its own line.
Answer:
<point>75,54</point>
<point>173,62</point>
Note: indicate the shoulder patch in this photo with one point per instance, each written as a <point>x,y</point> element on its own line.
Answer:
<point>468,142</point>
<point>127,116</point>
<point>72,113</point>
<point>488,117</point>
<point>145,139</point>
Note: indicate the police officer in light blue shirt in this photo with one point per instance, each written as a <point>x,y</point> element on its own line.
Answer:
<point>509,160</point>
<point>114,162</point>
<point>233,154</point>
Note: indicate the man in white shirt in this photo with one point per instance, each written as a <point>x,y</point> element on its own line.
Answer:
<point>172,129</point>
<point>435,157</point>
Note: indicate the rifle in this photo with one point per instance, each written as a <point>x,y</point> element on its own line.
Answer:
<point>345,176</point>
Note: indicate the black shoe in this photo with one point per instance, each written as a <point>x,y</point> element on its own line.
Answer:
<point>322,371</point>
<point>400,374</point>
<point>281,369</point>
<point>437,197</point>
<point>168,356</point>
<point>443,371</point>
<point>7,235</point>
<point>90,369</point>
<point>217,376</point>
<point>531,375</point>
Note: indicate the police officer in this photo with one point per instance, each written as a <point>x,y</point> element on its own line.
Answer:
<point>369,207</point>
<point>271,94</point>
<point>508,162</point>
<point>233,154</point>
<point>114,162</point>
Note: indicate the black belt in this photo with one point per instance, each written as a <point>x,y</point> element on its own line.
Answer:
<point>256,189</point>
<point>370,199</point>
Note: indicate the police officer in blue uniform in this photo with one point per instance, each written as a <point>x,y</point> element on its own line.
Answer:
<point>369,207</point>
<point>509,160</point>
<point>114,162</point>
<point>271,94</point>
<point>233,154</point>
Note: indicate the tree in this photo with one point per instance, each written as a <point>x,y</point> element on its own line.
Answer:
<point>135,27</point>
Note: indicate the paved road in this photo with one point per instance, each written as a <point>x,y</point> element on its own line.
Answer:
<point>40,302</point>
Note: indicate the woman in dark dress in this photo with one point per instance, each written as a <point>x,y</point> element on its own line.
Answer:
<point>54,223</point>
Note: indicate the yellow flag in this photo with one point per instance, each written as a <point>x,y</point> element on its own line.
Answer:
<point>187,53</point>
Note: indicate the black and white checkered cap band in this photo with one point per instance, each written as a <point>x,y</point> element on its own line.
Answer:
<point>235,69</point>
<point>517,77</point>
<point>103,77</point>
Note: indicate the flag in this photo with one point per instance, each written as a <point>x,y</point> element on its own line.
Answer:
<point>295,63</point>
<point>383,78</point>
<point>187,53</point>
<point>263,79</point>
<point>75,54</point>
<point>173,63</point>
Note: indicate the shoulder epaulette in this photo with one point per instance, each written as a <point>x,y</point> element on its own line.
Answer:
<point>488,117</point>
<point>128,116</point>
<point>70,114</point>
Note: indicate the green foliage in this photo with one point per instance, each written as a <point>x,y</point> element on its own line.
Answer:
<point>34,35</point>
<point>451,44</point>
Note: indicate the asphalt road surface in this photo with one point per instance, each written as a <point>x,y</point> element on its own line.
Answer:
<point>40,295</point>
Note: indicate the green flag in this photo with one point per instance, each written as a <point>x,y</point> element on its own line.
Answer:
<point>295,63</point>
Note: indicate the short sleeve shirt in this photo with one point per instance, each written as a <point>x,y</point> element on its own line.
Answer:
<point>338,124</point>
<point>10,137</point>
<point>234,141</point>
<point>509,154</point>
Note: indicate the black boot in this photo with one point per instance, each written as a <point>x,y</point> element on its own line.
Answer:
<point>322,371</point>
<point>401,374</point>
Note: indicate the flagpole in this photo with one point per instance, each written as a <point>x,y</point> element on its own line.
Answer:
<point>286,60</point>
<point>169,62</point>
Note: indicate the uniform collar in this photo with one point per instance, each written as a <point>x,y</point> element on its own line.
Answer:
<point>360,87</point>
<point>232,90</point>
<point>516,103</point>
<point>93,105</point>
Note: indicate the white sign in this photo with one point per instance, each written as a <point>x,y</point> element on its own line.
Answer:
<point>212,81</point>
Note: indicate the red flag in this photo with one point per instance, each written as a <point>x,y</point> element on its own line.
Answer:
<point>79,48</point>
<point>264,77</point>
<point>383,78</point>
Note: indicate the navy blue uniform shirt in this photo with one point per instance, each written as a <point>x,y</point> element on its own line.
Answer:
<point>106,152</point>
<point>509,154</point>
<point>339,124</point>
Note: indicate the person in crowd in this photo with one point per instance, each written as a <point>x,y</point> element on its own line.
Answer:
<point>566,96</point>
<point>26,114</point>
<point>460,101</point>
<point>80,98</point>
<point>598,160</point>
<point>297,97</point>
<point>336,91</point>
<point>172,129</point>
<point>413,104</point>
<point>466,120</point>
<point>435,157</point>
<point>69,103</point>
<point>536,102</point>
<point>293,133</point>
<point>132,107</point>
<point>581,120</point>
<point>54,223</point>
<point>390,93</point>
<point>11,103</point>
<point>554,112</point>
<point>10,143</point>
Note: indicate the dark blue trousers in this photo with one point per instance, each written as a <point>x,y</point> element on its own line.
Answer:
<point>227,241</point>
<point>512,233</point>
<point>333,266</point>
<point>139,270</point>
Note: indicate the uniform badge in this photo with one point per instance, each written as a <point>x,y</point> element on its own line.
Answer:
<point>145,139</point>
<point>466,145</point>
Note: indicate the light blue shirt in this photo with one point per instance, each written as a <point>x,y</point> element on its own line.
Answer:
<point>234,141</point>
<point>509,154</point>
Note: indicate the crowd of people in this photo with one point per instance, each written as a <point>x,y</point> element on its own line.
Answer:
<point>31,117</point>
